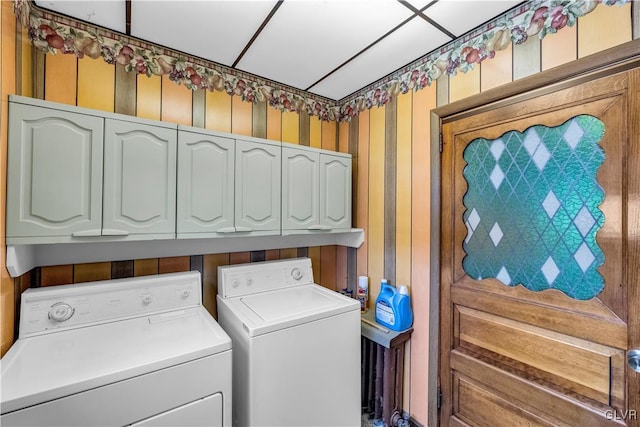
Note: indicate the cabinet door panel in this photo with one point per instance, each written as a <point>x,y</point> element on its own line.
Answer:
<point>54,173</point>
<point>257,186</point>
<point>140,179</point>
<point>205,183</point>
<point>335,191</point>
<point>300,188</point>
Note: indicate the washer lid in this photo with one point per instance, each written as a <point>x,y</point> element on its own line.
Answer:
<point>284,308</point>
<point>45,367</point>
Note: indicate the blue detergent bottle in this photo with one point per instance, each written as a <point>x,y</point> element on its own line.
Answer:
<point>393,307</point>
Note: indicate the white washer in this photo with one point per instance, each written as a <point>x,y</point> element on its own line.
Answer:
<point>139,351</point>
<point>296,346</point>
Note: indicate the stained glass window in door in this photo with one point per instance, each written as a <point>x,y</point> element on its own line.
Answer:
<point>532,208</point>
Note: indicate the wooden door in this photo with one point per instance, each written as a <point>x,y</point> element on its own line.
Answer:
<point>205,184</point>
<point>516,354</point>
<point>139,180</point>
<point>300,188</point>
<point>258,183</point>
<point>335,191</point>
<point>54,174</point>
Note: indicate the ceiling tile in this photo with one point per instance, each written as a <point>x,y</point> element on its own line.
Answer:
<point>419,4</point>
<point>408,43</point>
<point>109,14</point>
<point>215,30</point>
<point>461,16</point>
<point>307,39</point>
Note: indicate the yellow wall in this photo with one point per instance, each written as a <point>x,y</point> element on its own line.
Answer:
<point>7,65</point>
<point>606,27</point>
<point>406,126</point>
<point>16,70</point>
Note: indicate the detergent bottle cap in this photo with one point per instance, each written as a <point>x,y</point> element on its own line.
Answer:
<point>403,290</point>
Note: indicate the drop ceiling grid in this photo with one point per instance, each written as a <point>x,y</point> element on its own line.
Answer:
<point>420,4</point>
<point>199,28</point>
<point>348,42</point>
<point>306,40</point>
<point>401,47</point>
<point>459,17</point>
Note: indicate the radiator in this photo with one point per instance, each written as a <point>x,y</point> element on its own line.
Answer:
<point>381,382</point>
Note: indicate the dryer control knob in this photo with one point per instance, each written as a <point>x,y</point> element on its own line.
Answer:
<point>296,273</point>
<point>60,311</point>
<point>146,299</point>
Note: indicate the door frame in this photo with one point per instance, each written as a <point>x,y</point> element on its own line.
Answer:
<point>607,62</point>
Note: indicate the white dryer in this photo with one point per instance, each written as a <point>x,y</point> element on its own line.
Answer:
<point>140,351</point>
<point>296,346</point>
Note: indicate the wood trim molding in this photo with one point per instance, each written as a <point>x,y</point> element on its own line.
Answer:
<point>390,180</point>
<point>618,58</point>
<point>434,271</point>
<point>635,19</point>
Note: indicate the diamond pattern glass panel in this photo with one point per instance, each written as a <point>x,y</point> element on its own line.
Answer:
<point>532,208</point>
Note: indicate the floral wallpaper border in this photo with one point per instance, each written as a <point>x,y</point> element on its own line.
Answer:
<point>55,34</point>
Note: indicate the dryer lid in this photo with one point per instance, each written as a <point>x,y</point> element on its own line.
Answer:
<point>44,367</point>
<point>270,311</point>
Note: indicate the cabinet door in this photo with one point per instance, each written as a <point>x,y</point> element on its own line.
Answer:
<point>335,191</point>
<point>257,191</point>
<point>205,184</point>
<point>300,189</point>
<point>54,173</point>
<point>139,179</point>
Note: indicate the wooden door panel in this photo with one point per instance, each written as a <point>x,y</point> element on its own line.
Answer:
<point>548,402</point>
<point>587,368</point>
<point>549,309</point>
<point>515,356</point>
<point>472,401</point>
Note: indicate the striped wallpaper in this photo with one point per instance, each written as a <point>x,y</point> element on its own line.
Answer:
<point>390,147</point>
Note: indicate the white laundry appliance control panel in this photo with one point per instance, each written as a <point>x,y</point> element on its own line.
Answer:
<point>72,306</point>
<point>238,280</point>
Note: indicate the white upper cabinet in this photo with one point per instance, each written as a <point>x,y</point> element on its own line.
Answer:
<point>316,189</point>
<point>300,188</point>
<point>139,179</point>
<point>54,171</point>
<point>81,175</point>
<point>205,184</point>
<point>257,186</point>
<point>335,191</point>
<point>227,186</point>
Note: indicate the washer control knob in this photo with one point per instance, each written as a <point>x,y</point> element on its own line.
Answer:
<point>249,281</point>
<point>296,273</point>
<point>185,293</point>
<point>235,283</point>
<point>60,311</point>
<point>146,299</point>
